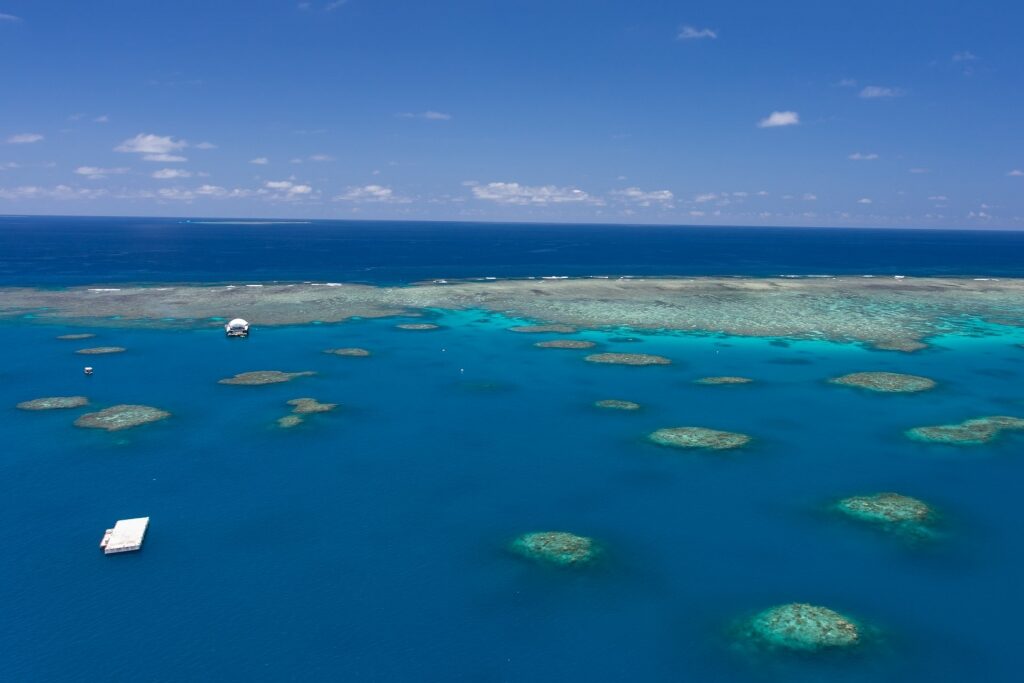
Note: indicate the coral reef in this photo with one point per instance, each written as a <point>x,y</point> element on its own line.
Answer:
<point>120,417</point>
<point>305,406</point>
<point>904,345</point>
<point>418,326</point>
<point>99,350</point>
<point>627,359</point>
<point>556,547</point>
<point>289,421</point>
<point>723,380</point>
<point>54,402</point>
<point>969,432</point>
<point>77,336</point>
<point>263,377</point>
<point>565,344</point>
<point>538,329</point>
<point>892,511</point>
<point>615,404</point>
<point>888,382</point>
<point>352,352</point>
<point>804,628</point>
<point>698,437</point>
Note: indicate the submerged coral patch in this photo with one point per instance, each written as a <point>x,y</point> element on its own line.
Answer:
<point>804,628</point>
<point>615,404</point>
<point>627,359</point>
<point>352,352</point>
<point>565,344</point>
<point>418,326</point>
<point>888,382</point>
<point>304,406</point>
<point>892,511</point>
<point>538,329</point>
<point>904,345</point>
<point>723,380</point>
<point>77,336</point>
<point>556,547</point>
<point>123,416</point>
<point>289,421</point>
<point>698,437</point>
<point>969,432</point>
<point>54,403</point>
<point>263,377</point>
<point>99,350</point>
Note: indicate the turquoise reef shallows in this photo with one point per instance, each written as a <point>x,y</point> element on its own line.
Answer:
<point>969,432</point>
<point>123,416</point>
<point>887,382</point>
<point>627,359</point>
<point>556,547</point>
<point>698,437</point>
<point>890,511</point>
<point>617,404</point>
<point>804,628</point>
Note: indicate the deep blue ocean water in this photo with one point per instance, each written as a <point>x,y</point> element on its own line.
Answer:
<point>66,251</point>
<point>371,543</point>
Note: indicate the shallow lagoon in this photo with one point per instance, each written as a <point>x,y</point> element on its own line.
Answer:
<point>371,542</point>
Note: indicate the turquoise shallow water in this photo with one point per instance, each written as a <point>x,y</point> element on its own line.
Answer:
<point>370,543</point>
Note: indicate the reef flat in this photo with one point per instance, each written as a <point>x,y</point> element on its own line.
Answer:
<point>77,336</point>
<point>54,403</point>
<point>698,437</point>
<point>969,432</point>
<point>101,350</point>
<point>803,628</point>
<point>258,377</point>
<point>883,312</point>
<point>565,344</point>
<point>556,547</point>
<point>123,416</point>
<point>351,352</point>
<point>539,329</point>
<point>886,382</point>
<point>418,326</point>
<point>616,404</point>
<point>627,359</point>
<point>306,406</point>
<point>723,380</point>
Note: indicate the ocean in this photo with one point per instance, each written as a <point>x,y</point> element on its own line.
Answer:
<point>372,542</point>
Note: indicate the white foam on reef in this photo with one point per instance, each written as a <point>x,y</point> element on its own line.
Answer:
<point>254,285</point>
<point>554,277</point>
<point>105,289</point>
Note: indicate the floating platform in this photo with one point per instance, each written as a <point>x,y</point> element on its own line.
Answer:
<point>126,536</point>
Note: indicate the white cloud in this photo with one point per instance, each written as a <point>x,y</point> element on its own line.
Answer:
<point>864,200</point>
<point>24,138</point>
<point>809,197</point>
<point>693,33</point>
<point>707,197</point>
<point>427,116</point>
<point>514,193</point>
<point>101,119</point>
<point>371,194</point>
<point>697,213</point>
<point>96,173</point>
<point>321,157</point>
<point>779,118</point>
<point>1016,172</point>
<point>938,198</point>
<point>872,92</point>
<point>171,173</point>
<point>859,156</point>
<point>645,198</point>
<point>287,189</point>
<point>60,192</point>
<point>166,158</point>
<point>147,143</point>
<point>9,17</point>
<point>206,145</point>
<point>260,161</point>
<point>964,56</point>
<point>847,83</point>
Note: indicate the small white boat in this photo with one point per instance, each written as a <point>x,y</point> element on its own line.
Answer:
<point>88,369</point>
<point>237,328</point>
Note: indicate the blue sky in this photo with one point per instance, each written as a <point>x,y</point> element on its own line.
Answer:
<point>734,113</point>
